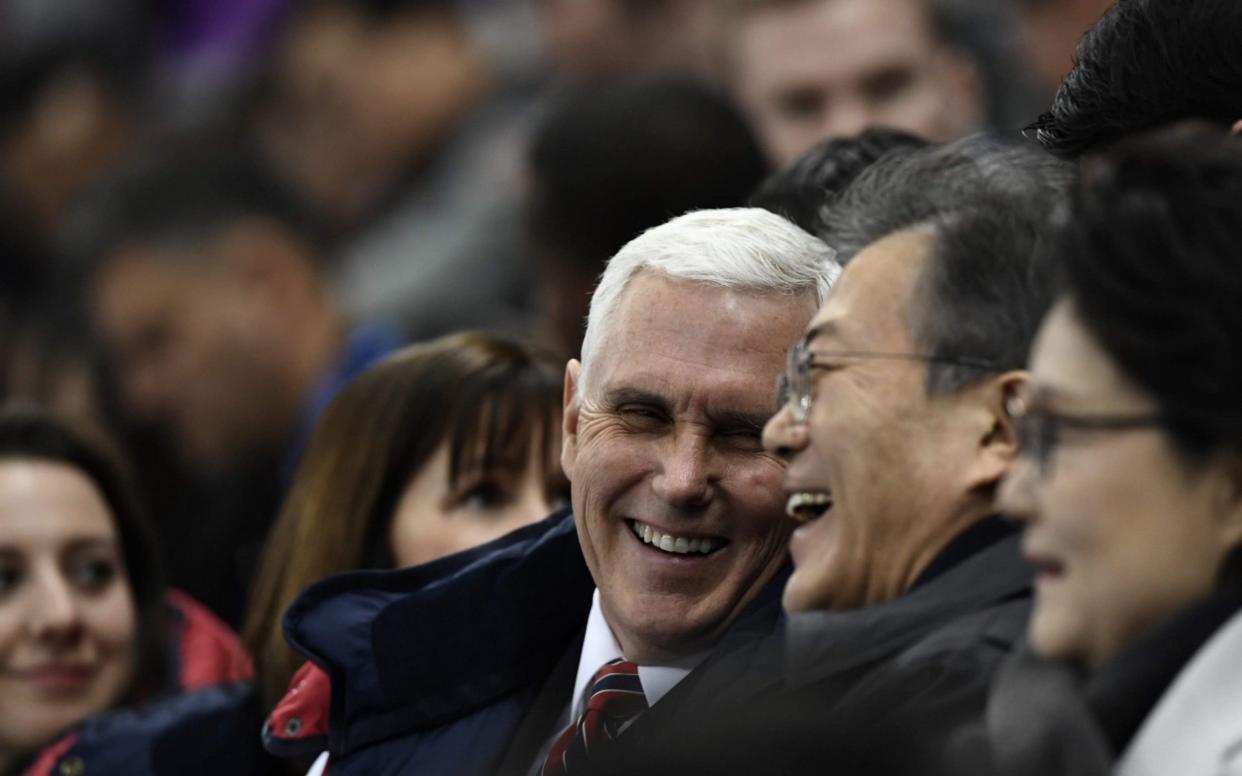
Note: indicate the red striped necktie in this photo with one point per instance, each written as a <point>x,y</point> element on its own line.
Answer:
<point>614,698</point>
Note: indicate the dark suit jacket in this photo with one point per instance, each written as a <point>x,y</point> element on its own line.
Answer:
<point>869,691</point>
<point>463,665</point>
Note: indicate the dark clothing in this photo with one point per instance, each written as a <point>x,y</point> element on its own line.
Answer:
<point>204,721</point>
<point>364,346</point>
<point>212,532</point>
<point>212,731</point>
<point>1047,717</point>
<point>461,665</point>
<point>872,690</point>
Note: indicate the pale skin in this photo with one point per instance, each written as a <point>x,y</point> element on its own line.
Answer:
<point>67,619</point>
<point>1122,532</point>
<point>219,346</point>
<point>833,68</point>
<point>907,471</point>
<point>436,517</point>
<point>667,434</point>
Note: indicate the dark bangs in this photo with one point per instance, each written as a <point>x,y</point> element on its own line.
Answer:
<point>499,412</point>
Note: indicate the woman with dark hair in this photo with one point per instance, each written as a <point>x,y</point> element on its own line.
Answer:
<point>439,448</point>
<point>1130,478</point>
<point>85,622</point>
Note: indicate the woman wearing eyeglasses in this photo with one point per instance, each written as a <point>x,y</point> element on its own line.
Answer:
<point>1129,484</point>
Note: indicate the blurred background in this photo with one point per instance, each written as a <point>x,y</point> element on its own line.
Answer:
<point>214,212</point>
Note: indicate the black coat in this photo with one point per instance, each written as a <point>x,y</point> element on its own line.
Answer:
<point>875,690</point>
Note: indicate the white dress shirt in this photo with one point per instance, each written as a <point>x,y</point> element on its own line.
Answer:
<point>598,647</point>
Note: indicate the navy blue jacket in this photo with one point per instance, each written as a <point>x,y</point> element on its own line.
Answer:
<point>436,669</point>
<point>433,667</point>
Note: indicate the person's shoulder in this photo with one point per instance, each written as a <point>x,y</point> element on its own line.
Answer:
<point>326,620</point>
<point>437,646</point>
<point>1203,706</point>
<point>207,651</point>
<point>211,730</point>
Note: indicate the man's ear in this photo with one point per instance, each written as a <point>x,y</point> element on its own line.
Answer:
<point>569,419</point>
<point>1237,128</point>
<point>998,432</point>
<point>1229,498</point>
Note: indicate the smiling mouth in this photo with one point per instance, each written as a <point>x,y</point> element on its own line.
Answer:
<point>673,544</point>
<point>805,506</point>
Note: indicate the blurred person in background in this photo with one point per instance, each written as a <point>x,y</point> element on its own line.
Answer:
<point>1129,480</point>
<point>68,110</point>
<point>590,40</point>
<point>434,450</point>
<point>71,103</point>
<point>803,190</point>
<point>1145,64</point>
<point>405,135</point>
<point>86,624</point>
<point>613,159</point>
<point>41,359</point>
<point>805,70</point>
<point>1049,33</point>
<point>204,283</point>
<point>440,447</point>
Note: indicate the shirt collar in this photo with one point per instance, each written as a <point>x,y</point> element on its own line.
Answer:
<point>599,646</point>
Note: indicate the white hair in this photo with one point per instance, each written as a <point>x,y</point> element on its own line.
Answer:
<point>739,248</point>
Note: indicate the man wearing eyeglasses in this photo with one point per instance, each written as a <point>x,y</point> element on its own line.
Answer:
<point>907,589</point>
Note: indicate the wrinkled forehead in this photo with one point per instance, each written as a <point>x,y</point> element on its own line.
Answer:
<point>668,330</point>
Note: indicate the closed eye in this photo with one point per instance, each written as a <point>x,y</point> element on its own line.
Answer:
<point>645,417</point>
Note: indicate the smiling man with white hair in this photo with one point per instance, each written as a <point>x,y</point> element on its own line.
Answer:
<point>511,658</point>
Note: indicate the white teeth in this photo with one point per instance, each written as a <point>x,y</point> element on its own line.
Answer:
<point>678,545</point>
<point>807,506</point>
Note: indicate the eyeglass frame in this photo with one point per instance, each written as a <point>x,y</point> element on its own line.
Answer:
<point>1038,429</point>
<point>793,387</point>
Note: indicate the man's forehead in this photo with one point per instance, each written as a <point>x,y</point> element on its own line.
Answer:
<point>872,297</point>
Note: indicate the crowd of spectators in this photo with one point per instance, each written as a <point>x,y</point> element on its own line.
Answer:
<point>620,386</point>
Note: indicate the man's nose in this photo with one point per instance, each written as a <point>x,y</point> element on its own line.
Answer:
<point>847,119</point>
<point>783,436</point>
<point>55,614</point>
<point>685,477</point>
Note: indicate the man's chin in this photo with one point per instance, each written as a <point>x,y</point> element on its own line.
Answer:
<point>802,595</point>
<point>648,637</point>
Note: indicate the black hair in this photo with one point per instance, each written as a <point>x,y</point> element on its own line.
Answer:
<point>31,432</point>
<point>614,159</point>
<point>1145,64</point>
<point>181,196</point>
<point>379,11</point>
<point>801,190</point>
<point>1151,259</point>
<point>986,285</point>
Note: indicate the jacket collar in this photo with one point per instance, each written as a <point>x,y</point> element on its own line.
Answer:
<point>417,647</point>
<point>823,643</point>
<point>1123,691</point>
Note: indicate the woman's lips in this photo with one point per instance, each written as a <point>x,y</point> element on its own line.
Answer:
<point>58,678</point>
<point>1046,567</point>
